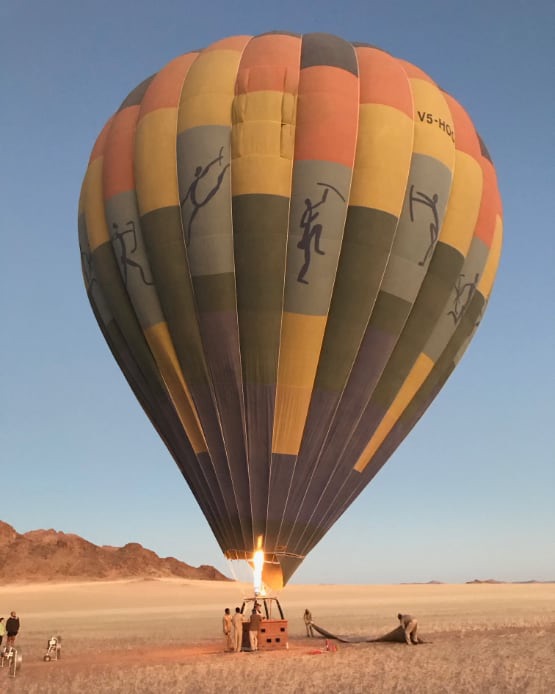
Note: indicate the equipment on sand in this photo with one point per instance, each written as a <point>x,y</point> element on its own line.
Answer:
<point>11,658</point>
<point>53,649</point>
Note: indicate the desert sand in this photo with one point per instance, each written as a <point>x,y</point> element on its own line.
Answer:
<point>164,635</point>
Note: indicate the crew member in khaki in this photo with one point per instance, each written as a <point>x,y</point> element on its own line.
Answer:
<point>410,627</point>
<point>237,621</point>
<point>308,622</point>
<point>254,627</point>
<point>227,629</point>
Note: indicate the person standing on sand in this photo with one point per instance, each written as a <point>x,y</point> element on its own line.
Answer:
<point>227,627</point>
<point>2,629</point>
<point>237,622</point>
<point>308,623</point>
<point>410,627</point>
<point>12,629</point>
<point>254,626</point>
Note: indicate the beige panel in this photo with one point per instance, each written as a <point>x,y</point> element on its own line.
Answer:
<point>418,374</point>
<point>155,160</point>
<point>162,349</point>
<point>384,150</point>
<point>464,203</point>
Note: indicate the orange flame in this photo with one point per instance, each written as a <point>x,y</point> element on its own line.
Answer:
<point>258,564</point>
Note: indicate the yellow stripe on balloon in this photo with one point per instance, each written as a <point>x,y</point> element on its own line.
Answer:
<point>434,132</point>
<point>156,178</point>
<point>262,175</point>
<point>301,341</point>
<point>485,284</point>
<point>383,155</point>
<point>209,90</point>
<point>163,351</point>
<point>263,143</point>
<point>462,211</point>
<point>95,218</point>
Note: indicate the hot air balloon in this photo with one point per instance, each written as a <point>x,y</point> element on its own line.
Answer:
<point>288,243</point>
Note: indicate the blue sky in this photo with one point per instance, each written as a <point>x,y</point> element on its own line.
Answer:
<point>470,492</point>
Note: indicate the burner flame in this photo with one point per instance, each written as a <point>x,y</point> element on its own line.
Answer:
<point>258,564</point>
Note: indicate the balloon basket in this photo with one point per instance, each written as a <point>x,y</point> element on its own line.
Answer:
<point>273,633</point>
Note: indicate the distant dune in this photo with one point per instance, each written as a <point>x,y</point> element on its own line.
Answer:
<point>50,555</point>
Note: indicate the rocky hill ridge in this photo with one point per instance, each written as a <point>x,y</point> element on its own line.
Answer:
<point>51,555</point>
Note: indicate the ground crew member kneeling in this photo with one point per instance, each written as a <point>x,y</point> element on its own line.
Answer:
<point>410,627</point>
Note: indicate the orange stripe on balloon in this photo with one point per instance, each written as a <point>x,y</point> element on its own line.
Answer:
<point>270,51</point>
<point>489,208</point>
<point>415,72</point>
<point>327,115</point>
<point>117,174</point>
<point>233,43</point>
<point>383,80</point>
<point>169,83</point>
<point>100,144</point>
<point>466,138</point>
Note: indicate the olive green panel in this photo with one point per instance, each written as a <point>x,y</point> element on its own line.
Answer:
<point>390,314</point>
<point>260,231</point>
<point>107,272</point>
<point>461,295</point>
<point>446,362</point>
<point>215,292</point>
<point>366,247</point>
<point>166,251</point>
<point>442,273</point>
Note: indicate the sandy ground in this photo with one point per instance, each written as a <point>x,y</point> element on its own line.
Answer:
<point>164,636</point>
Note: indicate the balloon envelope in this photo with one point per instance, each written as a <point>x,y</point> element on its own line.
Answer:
<point>288,243</point>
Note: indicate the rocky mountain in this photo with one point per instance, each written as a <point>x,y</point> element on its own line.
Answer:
<point>50,555</point>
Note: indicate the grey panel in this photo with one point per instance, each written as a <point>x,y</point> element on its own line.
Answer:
<point>458,300</point>
<point>316,226</point>
<point>96,296</point>
<point>124,226</point>
<point>419,226</point>
<point>329,50</point>
<point>135,97</point>
<point>203,159</point>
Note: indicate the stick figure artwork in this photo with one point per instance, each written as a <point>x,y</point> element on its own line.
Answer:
<point>125,260</point>
<point>200,174</point>
<point>311,230</point>
<point>463,295</point>
<point>431,202</point>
